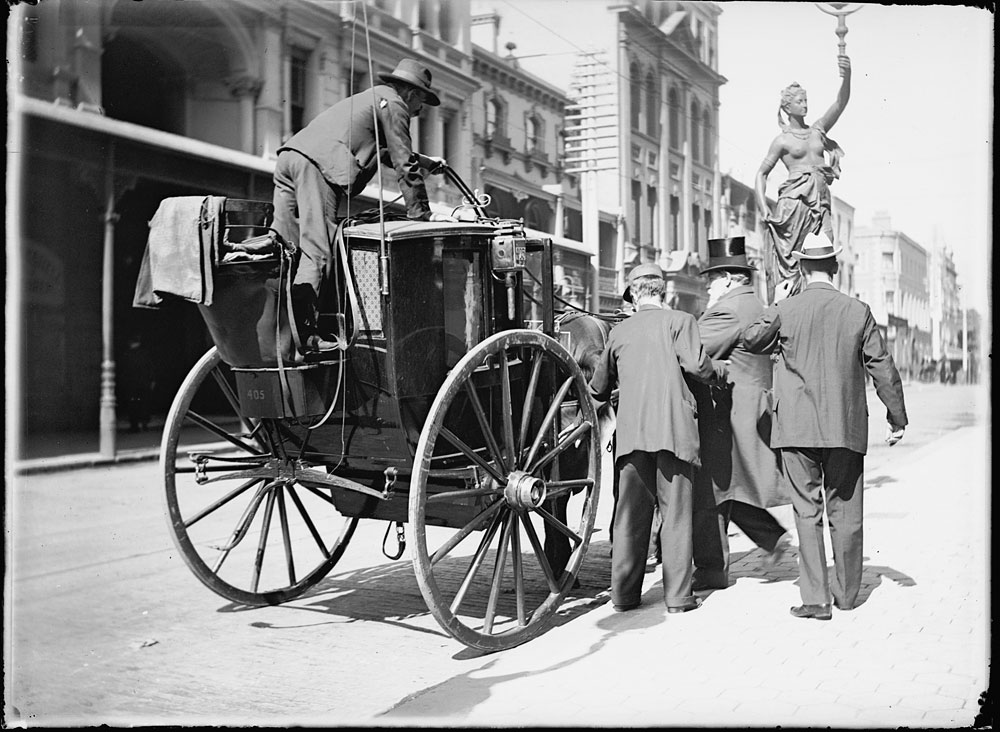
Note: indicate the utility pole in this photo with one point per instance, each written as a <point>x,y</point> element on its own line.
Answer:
<point>592,146</point>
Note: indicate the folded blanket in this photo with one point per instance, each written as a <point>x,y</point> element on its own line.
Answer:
<point>180,251</point>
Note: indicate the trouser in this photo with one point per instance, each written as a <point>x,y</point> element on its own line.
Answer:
<point>710,526</point>
<point>649,479</point>
<point>305,214</point>
<point>837,474</point>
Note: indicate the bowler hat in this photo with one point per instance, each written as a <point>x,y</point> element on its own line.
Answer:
<point>816,246</point>
<point>414,73</point>
<point>641,270</point>
<point>728,253</point>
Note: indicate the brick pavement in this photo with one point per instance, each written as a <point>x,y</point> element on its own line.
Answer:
<point>914,653</point>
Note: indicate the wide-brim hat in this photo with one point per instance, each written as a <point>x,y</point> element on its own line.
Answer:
<point>642,270</point>
<point>412,72</point>
<point>816,246</point>
<point>728,254</point>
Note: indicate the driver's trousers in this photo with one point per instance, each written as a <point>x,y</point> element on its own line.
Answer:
<point>305,214</point>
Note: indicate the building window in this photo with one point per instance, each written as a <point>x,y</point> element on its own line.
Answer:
<point>354,82</point>
<point>706,154</point>
<point>695,122</point>
<point>675,223</point>
<point>890,299</point>
<point>652,106</point>
<point>636,211</point>
<point>652,159</point>
<point>635,95</point>
<point>495,122</point>
<point>297,93</point>
<point>636,154</point>
<point>534,133</point>
<point>887,260</point>
<point>673,119</point>
<point>652,205</point>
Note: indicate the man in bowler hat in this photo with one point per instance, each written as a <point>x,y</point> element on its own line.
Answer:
<point>648,356</point>
<point>332,159</point>
<point>740,475</point>
<point>826,342</point>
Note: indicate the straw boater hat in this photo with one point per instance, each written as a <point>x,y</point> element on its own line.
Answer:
<point>726,254</point>
<point>816,246</point>
<point>642,270</point>
<point>412,72</point>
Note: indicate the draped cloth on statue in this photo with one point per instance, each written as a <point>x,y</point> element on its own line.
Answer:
<point>803,207</point>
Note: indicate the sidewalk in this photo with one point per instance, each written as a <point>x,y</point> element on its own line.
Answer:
<point>913,654</point>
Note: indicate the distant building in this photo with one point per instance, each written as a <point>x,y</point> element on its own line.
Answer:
<point>945,306</point>
<point>893,278</point>
<point>661,169</point>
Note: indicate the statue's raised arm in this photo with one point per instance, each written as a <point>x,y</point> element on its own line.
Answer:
<point>829,119</point>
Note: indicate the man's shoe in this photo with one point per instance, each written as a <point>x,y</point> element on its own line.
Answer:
<point>651,564</point>
<point>684,608</point>
<point>319,345</point>
<point>624,608</point>
<point>817,612</point>
<point>837,604</point>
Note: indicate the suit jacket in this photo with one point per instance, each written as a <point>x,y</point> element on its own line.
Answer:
<point>647,356</point>
<point>342,143</point>
<point>826,341</point>
<point>734,418</point>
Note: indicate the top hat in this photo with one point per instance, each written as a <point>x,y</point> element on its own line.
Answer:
<point>414,73</point>
<point>728,253</point>
<point>816,246</point>
<point>641,270</point>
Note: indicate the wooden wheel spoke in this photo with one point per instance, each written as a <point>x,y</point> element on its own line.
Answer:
<point>265,528</point>
<point>515,552</point>
<point>459,535</point>
<point>558,488</point>
<point>221,502</point>
<point>463,493</point>
<point>308,521</point>
<point>283,518</point>
<point>550,416</point>
<point>506,409</point>
<point>484,426</point>
<point>529,397</point>
<point>476,563</point>
<point>227,390</point>
<point>560,526</point>
<point>529,529</point>
<point>561,447</point>
<point>215,429</point>
<point>472,455</point>
<point>498,566</point>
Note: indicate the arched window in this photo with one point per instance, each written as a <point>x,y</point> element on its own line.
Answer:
<point>635,95</point>
<point>706,131</point>
<point>534,133</point>
<point>652,106</point>
<point>695,122</point>
<point>674,119</point>
<point>496,123</point>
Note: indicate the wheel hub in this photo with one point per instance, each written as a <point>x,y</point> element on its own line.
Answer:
<point>524,490</point>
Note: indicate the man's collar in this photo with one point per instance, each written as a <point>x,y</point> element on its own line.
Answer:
<point>820,283</point>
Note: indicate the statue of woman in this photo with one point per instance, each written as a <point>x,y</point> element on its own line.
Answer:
<point>804,198</point>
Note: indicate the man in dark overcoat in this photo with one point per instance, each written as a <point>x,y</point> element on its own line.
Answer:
<point>740,475</point>
<point>656,450</point>
<point>333,158</point>
<point>826,342</point>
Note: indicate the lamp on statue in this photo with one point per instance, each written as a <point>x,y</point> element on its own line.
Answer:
<point>840,11</point>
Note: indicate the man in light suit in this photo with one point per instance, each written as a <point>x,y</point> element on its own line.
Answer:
<point>826,342</point>
<point>332,159</point>
<point>656,450</point>
<point>740,475</point>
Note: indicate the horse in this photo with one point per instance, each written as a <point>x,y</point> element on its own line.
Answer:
<point>586,336</point>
